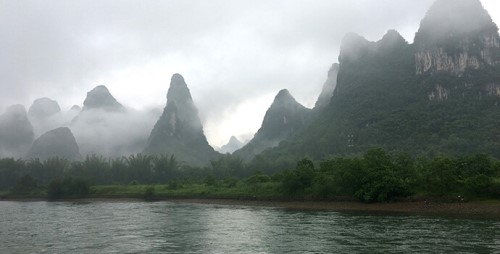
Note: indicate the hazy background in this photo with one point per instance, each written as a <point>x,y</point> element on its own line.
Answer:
<point>234,55</point>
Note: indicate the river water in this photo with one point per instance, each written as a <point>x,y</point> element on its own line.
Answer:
<point>170,227</point>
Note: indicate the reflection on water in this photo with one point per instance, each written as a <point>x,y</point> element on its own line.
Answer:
<point>140,227</point>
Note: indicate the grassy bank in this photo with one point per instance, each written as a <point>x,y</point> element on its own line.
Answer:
<point>268,190</point>
<point>267,195</point>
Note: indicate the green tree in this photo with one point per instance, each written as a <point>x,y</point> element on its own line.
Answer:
<point>25,184</point>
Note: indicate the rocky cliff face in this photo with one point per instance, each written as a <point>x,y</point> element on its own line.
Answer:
<point>454,36</point>
<point>16,132</point>
<point>437,96</point>
<point>59,142</point>
<point>283,119</point>
<point>179,130</point>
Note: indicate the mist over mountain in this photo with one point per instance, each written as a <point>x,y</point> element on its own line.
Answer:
<point>16,132</point>
<point>439,95</point>
<point>43,108</point>
<point>455,36</point>
<point>101,98</point>
<point>284,118</point>
<point>232,145</point>
<point>104,126</point>
<point>179,130</point>
<point>45,114</point>
<point>59,142</point>
<point>328,87</point>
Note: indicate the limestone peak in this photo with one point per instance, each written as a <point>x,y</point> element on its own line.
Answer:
<point>100,98</point>
<point>43,108</point>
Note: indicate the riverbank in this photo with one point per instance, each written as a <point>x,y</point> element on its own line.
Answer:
<point>268,195</point>
<point>488,209</point>
<point>472,209</point>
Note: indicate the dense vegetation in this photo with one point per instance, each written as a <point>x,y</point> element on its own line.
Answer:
<point>376,176</point>
<point>380,101</point>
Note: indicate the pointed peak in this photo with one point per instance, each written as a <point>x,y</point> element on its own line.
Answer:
<point>284,93</point>
<point>392,36</point>
<point>353,40</point>
<point>284,96</point>
<point>353,37</point>
<point>100,89</point>
<point>447,19</point>
<point>353,46</point>
<point>101,98</point>
<point>233,139</point>
<point>178,93</point>
<point>177,80</point>
<point>391,40</point>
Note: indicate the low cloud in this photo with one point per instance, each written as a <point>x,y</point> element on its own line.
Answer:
<point>228,51</point>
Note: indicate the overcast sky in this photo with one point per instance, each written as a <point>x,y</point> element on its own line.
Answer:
<point>234,55</point>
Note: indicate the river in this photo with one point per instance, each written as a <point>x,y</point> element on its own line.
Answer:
<point>171,227</point>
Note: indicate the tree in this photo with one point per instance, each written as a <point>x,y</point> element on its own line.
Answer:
<point>301,178</point>
<point>25,184</point>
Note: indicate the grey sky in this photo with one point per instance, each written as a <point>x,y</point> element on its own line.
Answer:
<point>234,55</point>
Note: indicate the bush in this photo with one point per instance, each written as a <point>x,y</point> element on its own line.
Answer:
<point>25,184</point>
<point>68,188</point>
<point>301,178</point>
<point>258,177</point>
<point>149,193</point>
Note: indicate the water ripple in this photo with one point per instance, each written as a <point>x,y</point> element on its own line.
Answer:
<point>141,227</point>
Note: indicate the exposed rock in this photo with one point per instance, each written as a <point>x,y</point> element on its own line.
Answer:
<point>493,89</point>
<point>383,90</point>
<point>284,118</point>
<point>179,130</point>
<point>231,146</point>
<point>440,93</point>
<point>59,142</point>
<point>16,132</point>
<point>456,35</point>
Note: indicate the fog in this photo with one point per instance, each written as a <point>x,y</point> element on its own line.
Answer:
<point>234,55</point>
<point>113,134</point>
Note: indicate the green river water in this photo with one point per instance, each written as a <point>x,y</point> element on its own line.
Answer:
<point>170,227</point>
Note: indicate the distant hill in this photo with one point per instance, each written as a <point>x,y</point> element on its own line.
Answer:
<point>101,98</point>
<point>439,95</point>
<point>59,142</point>
<point>43,108</point>
<point>232,145</point>
<point>16,132</point>
<point>179,131</point>
<point>284,118</point>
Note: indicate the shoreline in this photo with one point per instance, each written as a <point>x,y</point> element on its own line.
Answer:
<point>470,209</point>
<point>483,209</point>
